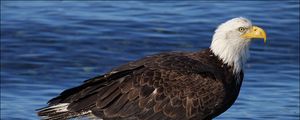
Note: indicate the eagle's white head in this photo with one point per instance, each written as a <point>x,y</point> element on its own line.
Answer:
<point>232,39</point>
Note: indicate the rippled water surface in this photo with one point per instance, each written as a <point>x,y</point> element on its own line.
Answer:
<point>47,47</point>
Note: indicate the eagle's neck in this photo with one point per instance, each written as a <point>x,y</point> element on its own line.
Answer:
<point>231,53</point>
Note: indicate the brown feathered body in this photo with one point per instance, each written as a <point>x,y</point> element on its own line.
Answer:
<point>167,86</point>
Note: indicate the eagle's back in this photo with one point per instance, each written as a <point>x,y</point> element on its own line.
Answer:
<point>165,86</point>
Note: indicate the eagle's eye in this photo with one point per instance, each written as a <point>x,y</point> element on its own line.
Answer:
<point>242,29</point>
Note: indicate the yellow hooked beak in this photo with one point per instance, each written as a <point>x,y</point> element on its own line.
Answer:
<point>255,32</point>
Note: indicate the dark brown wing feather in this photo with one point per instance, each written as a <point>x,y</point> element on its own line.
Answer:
<point>166,86</point>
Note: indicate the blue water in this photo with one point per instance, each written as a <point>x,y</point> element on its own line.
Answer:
<point>47,47</point>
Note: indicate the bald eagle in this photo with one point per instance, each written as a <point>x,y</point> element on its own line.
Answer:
<point>168,86</point>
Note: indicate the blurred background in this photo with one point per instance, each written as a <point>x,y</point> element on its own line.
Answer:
<point>47,47</point>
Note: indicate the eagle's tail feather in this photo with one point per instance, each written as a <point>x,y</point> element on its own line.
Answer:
<point>58,112</point>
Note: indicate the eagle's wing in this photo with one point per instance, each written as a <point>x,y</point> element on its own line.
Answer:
<point>164,86</point>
